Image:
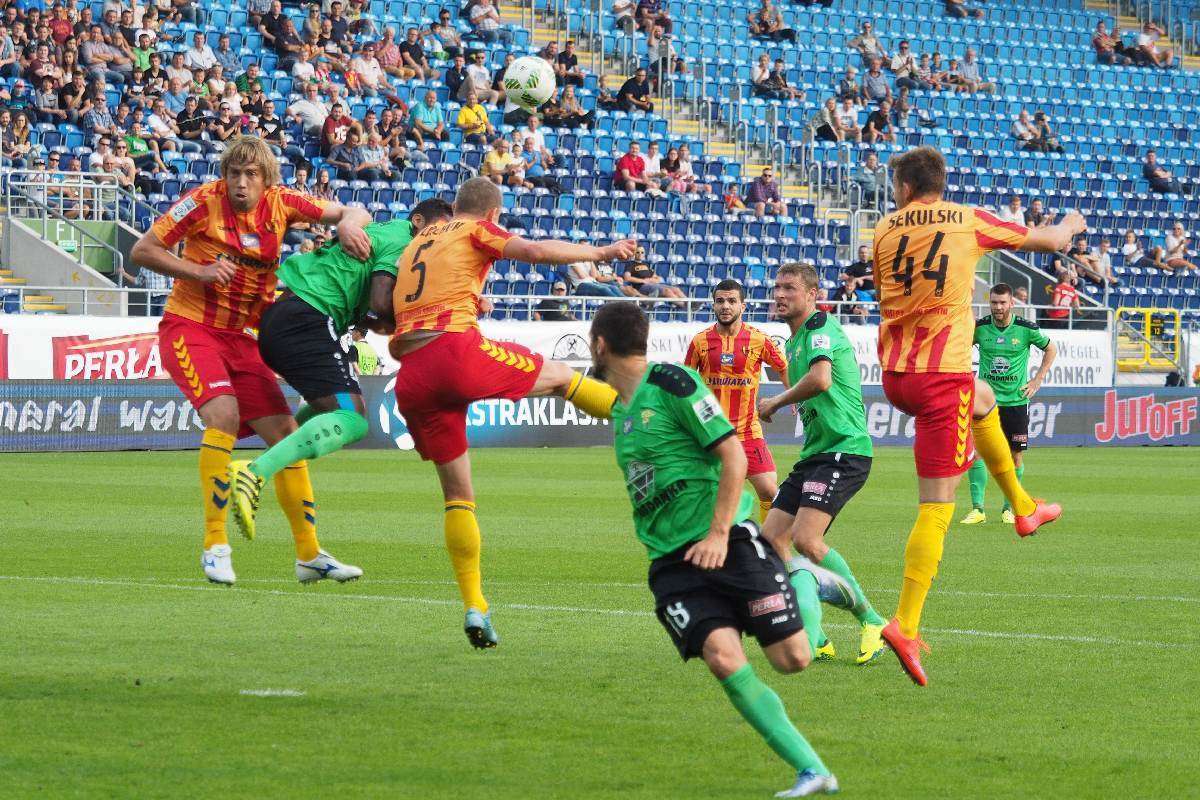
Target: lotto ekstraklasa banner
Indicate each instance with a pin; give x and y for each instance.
(126, 348)
(68, 415)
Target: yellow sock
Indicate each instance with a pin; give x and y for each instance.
(463, 544)
(215, 449)
(294, 492)
(591, 395)
(993, 448)
(921, 557)
(764, 508)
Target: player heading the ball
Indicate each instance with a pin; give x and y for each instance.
(446, 363)
(925, 257)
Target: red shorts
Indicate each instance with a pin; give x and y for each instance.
(942, 403)
(437, 383)
(207, 362)
(758, 457)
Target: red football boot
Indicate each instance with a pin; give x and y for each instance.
(1044, 513)
(907, 650)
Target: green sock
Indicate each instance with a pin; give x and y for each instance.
(862, 610)
(304, 413)
(1020, 475)
(319, 436)
(763, 709)
(978, 476)
(809, 606)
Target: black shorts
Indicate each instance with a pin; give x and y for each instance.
(1014, 421)
(750, 593)
(302, 344)
(825, 482)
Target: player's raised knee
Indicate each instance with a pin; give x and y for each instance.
(791, 655)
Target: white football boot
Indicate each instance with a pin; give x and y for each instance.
(326, 566)
(218, 564)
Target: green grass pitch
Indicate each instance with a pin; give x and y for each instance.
(1063, 666)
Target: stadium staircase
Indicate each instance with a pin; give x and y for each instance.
(13, 298)
(674, 110)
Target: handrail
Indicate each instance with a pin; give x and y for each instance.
(1029, 265)
(48, 211)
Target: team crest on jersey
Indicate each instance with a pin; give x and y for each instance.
(647, 415)
(820, 342)
(999, 340)
(639, 480)
(1000, 366)
(627, 426)
(706, 408)
(184, 207)
(726, 359)
(249, 240)
(1014, 341)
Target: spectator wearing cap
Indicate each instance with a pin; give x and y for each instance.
(868, 45)
(556, 308)
(412, 55)
(486, 24)
(1147, 47)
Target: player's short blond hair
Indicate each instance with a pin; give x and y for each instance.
(805, 272)
(245, 151)
(477, 197)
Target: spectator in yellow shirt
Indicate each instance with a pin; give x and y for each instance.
(474, 122)
(498, 164)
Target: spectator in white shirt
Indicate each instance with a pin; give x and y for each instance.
(847, 119)
(1148, 50)
(533, 130)
(309, 111)
(199, 55)
(179, 70)
(654, 171)
(479, 80)
(486, 22)
(1176, 250)
(371, 77)
(623, 12)
(1013, 212)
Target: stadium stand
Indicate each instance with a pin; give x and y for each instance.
(1106, 117)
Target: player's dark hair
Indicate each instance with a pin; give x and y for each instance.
(730, 285)
(805, 272)
(1002, 289)
(624, 327)
(922, 170)
(477, 197)
(434, 208)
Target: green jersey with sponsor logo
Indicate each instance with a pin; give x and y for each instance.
(1004, 356)
(337, 284)
(835, 421)
(663, 446)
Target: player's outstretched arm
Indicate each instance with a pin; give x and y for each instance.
(1054, 237)
(150, 252)
(710, 552)
(350, 222)
(818, 378)
(556, 251)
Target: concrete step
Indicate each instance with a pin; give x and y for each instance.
(13, 281)
(44, 308)
(38, 298)
(6, 273)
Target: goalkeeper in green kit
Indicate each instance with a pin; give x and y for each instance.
(712, 577)
(1004, 340)
(299, 337)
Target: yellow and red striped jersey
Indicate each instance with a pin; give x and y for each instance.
(732, 368)
(925, 257)
(206, 222)
(441, 275)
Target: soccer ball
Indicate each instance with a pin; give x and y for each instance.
(529, 82)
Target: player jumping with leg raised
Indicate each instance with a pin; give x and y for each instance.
(711, 576)
(446, 364)
(925, 257)
(834, 463)
(328, 290)
(231, 230)
(730, 356)
(1004, 340)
